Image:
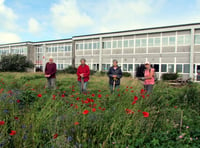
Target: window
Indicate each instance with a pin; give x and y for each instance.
(86, 46)
(114, 44)
(125, 43)
(179, 68)
(94, 45)
(150, 43)
(108, 45)
(108, 66)
(55, 49)
(156, 67)
(164, 68)
(197, 39)
(157, 41)
(180, 40)
(90, 45)
(170, 67)
(124, 67)
(172, 41)
(144, 43)
(186, 68)
(136, 66)
(81, 46)
(119, 44)
(137, 43)
(131, 43)
(104, 66)
(165, 41)
(187, 39)
(130, 67)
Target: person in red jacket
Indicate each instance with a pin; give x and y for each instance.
(83, 73)
(50, 73)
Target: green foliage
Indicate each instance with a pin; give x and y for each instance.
(41, 118)
(126, 74)
(15, 63)
(169, 76)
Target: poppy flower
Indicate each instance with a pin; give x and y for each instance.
(142, 91)
(63, 95)
(2, 122)
(132, 91)
(1, 90)
(99, 90)
(99, 95)
(73, 89)
(94, 109)
(119, 95)
(85, 112)
(16, 118)
(94, 105)
(175, 106)
(99, 107)
(76, 123)
(93, 95)
(143, 96)
(103, 109)
(126, 89)
(131, 87)
(18, 101)
(77, 98)
(55, 136)
(135, 98)
(126, 86)
(12, 133)
(133, 102)
(145, 114)
(39, 95)
(76, 106)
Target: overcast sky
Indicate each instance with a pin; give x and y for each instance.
(38, 20)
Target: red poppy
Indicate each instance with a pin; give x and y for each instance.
(1, 90)
(9, 92)
(85, 112)
(129, 111)
(175, 106)
(99, 95)
(118, 89)
(2, 122)
(132, 91)
(12, 133)
(99, 90)
(39, 95)
(103, 109)
(86, 101)
(71, 104)
(18, 101)
(76, 106)
(146, 114)
(76, 123)
(126, 86)
(73, 89)
(133, 102)
(94, 109)
(16, 118)
(99, 107)
(63, 95)
(94, 105)
(131, 87)
(54, 96)
(143, 96)
(135, 98)
(139, 110)
(142, 91)
(55, 136)
(91, 100)
(126, 89)
(93, 95)
(77, 98)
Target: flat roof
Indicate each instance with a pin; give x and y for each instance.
(115, 32)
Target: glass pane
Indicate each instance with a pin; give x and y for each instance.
(125, 43)
(157, 41)
(81, 46)
(119, 44)
(172, 41)
(136, 66)
(114, 44)
(197, 39)
(86, 46)
(94, 45)
(150, 42)
(90, 45)
(108, 45)
(124, 67)
(179, 68)
(144, 43)
(165, 41)
(108, 66)
(137, 43)
(187, 39)
(131, 43)
(104, 66)
(180, 40)
(186, 68)
(164, 68)
(130, 67)
(171, 68)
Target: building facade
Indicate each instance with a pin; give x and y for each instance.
(168, 49)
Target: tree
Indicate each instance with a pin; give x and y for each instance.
(15, 63)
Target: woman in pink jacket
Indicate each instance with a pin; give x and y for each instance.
(149, 77)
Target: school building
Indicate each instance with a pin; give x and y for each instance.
(168, 48)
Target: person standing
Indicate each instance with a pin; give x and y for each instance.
(114, 74)
(83, 73)
(50, 73)
(149, 79)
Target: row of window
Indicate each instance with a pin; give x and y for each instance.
(59, 48)
(81, 46)
(62, 66)
(21, 50)
(4, 51)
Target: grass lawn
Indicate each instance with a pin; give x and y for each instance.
(32, 116)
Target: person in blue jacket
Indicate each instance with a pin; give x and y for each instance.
(114, 74)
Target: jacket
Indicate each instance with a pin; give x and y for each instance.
(86, 72)
(50, 69)
(112, 72)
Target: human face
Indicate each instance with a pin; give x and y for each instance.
(147, 66)
(82, 62)
(50, 60)
(115, 64)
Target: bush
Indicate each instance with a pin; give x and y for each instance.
(15, 63)
(126, 74)
(169, 76)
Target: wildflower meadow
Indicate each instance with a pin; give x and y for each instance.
(31, 116)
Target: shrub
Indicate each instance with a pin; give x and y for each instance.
(126, 74)
(15, 63)
(169, 76)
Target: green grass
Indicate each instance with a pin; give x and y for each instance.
(46, 122)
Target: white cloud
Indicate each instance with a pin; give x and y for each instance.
(66, 16)
(128, 14)
(7, 16)
(34, 26)
(6, 37)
